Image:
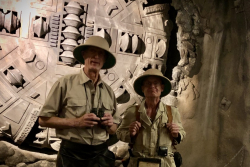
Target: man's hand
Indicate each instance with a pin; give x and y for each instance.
(87, 120)
(174, 129)
(134, 128)
(107, 120)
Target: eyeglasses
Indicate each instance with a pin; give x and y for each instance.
(148, 84)
(95, 51)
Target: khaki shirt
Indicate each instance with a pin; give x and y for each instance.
(75, 95)
(146, 142)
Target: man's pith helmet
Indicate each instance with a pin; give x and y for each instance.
(152, 72)
(99, 42)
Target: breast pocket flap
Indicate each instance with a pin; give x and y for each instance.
(76, 102)
(108, 106)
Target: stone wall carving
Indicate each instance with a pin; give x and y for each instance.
(40, 27)
(129, 43)
(138, 33)
(72, 30)
(54, 26)
(210, 79)
(191, 26)
(9, 22)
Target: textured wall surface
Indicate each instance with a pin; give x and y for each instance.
(217, 123)
(202, 46)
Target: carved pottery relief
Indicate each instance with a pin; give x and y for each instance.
(15, 78)
(89, 29)
(40, 27)
(9, 22)
(72, 30)
(130, 43)
(54, 27)
(103, 32)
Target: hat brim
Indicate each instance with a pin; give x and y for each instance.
(109, 62)
(139, 82)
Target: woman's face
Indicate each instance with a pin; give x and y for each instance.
(152, 87)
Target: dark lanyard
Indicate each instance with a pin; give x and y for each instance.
(99, 101)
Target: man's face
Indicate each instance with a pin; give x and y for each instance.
(152, 87)
(94, 58)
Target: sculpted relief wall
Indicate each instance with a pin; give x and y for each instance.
(217, 122)
(201, 46)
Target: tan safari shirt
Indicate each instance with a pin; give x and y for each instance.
(75, 95)
(146, 142)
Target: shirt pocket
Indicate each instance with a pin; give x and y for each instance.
(76, 107)
(108, 107)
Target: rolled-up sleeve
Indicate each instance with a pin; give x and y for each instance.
(53, 102)
(123, 130)
(177, 120)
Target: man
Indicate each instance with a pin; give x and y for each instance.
(82, 109)
(148, 127)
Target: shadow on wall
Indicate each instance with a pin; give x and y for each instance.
(173, 53)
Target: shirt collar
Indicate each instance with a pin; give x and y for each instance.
(160, 107)
(84, 78)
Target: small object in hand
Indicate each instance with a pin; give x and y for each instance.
(94, 110)
(100, 113)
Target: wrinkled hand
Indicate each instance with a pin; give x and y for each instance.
(107, 120)
(134, 128)
(174, 129)
(87, 120)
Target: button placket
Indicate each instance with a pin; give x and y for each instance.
(152, 131)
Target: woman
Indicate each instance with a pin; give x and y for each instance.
(151, 128)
